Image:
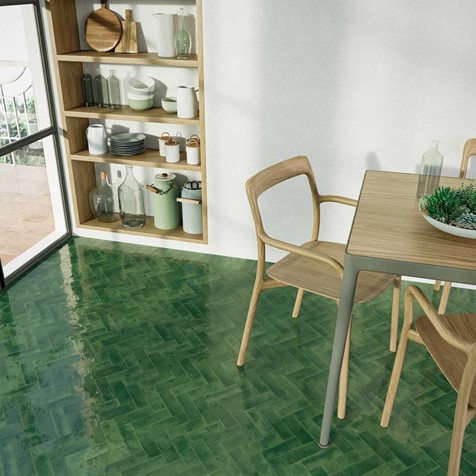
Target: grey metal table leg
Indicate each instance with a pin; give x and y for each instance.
(343, 318)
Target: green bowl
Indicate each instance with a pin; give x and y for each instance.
(141, 104)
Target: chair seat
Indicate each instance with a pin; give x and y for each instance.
(450, 360)
(321, 279)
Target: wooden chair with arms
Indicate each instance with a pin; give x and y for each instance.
(451, 341)
(315, 266)
(469, 151)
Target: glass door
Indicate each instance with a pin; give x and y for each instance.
(32, 203)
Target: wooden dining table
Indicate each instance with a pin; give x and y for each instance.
(390, 235)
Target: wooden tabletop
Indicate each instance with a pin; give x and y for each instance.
(388, 225)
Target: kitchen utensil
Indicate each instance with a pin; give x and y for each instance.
(172, 151)
(165, 136)
(97, 139)
(166, 207)
(187, 105)
(193, 151)
(103, 29)
(166, 34)
(192, 207)
(169, 104)
(128, 43)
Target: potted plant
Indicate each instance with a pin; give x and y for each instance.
(454, 207)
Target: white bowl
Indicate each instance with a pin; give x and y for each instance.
(141, 84)
(452, 230)
(140, 96)
(169, 104)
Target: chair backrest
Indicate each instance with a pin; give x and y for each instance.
(276, 174)
(469, 150)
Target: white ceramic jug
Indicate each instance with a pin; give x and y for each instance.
(166, 34)
(97, 139)
(187, 104)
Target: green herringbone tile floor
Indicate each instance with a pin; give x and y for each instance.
(119, 359)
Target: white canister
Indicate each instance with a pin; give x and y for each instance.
(97, 139)
(187, 104)
(193, 152)
(192, 207)
(165, 136)
(166, 34)
(172, 151)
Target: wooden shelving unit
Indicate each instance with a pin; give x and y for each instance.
(69, 60)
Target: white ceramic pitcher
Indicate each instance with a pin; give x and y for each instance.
(187, 104)
(97, 139)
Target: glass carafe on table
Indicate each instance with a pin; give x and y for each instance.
(430, 172)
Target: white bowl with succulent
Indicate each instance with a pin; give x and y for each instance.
(452, 210)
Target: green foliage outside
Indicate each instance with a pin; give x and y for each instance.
(15, 126)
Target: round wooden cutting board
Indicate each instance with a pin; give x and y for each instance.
(103, 29)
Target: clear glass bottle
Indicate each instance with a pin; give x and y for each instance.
(430, 172)
(131, 201)
(88, 94)
(114, 90)
(183, 40)
(101, 200)
(100, 90)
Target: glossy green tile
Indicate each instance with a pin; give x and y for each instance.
(120, 359)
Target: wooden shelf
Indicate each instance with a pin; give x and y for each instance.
(125, 113)
(69, 57)
(127, 58)
(148, 229)
(149, 158)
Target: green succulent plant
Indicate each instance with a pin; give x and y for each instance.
(455, 207)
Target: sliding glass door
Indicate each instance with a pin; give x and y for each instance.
(32, 204)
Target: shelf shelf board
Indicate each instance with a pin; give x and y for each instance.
(149, 158)
(147, 230)
(127, 58)
(125, 113)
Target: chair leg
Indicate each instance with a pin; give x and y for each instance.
(456, 448)
(344, 376)
(397, 369)
(397, 282)
(298, 302)
(461, 420)
(437, 286)
(249, 322)
(444, 297)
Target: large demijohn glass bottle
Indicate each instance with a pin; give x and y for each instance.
(101, 200)
(431, 164)
(131, 201)
(183, 40)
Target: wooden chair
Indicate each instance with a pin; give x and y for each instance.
(315, 266)
(451, 341)
(469, 151)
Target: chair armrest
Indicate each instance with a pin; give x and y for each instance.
(290, 248)
(338, 199)
(416, 293)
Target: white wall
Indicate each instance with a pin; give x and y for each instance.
(351, 84)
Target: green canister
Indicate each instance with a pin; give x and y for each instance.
(166, 209)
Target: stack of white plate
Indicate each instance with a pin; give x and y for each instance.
(127, 143)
